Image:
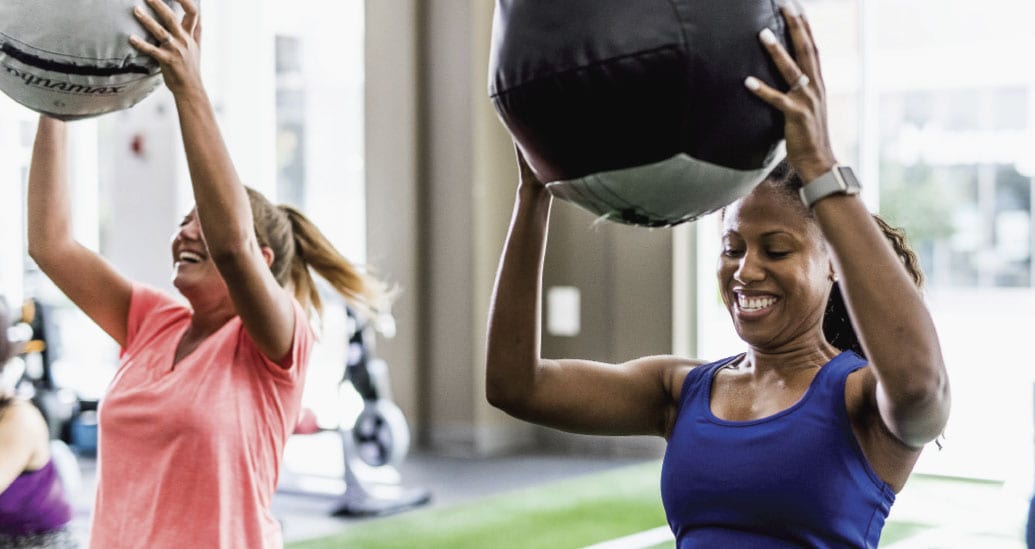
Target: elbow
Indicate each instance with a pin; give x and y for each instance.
(921, 410)
(508, 394)
(500, 397)
(35, 251)
(43, 252)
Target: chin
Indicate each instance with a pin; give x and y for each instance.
(755, 338)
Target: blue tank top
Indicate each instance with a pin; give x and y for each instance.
(796, 479)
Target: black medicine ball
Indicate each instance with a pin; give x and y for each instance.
(636, 109)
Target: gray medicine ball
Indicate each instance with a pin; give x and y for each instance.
(71, 59)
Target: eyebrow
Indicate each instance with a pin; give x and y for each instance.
(766, 234)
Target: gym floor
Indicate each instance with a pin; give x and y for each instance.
(451, 481)
(932, 512)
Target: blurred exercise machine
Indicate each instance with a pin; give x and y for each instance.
(36, 337)
(373, 445)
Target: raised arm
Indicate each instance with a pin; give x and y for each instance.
(890, 318)
(82, 274)
(636, 397)
(265, 308)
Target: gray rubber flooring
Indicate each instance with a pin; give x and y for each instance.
(450, 480)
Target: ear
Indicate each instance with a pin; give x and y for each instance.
(268, 255)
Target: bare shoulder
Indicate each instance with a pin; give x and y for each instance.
(21, 416)
(678, 369)
(671, 371)
(22, 428)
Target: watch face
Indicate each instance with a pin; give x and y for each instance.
(851, 184)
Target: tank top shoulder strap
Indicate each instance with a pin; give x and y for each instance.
(834, 373)
(831, 379)
(699, 379)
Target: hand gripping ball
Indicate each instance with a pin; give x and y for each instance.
(636, 109)
(71, 58)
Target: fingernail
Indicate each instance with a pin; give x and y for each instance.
(793, 8)
(752, 83)
(137, 10)
(767, 36)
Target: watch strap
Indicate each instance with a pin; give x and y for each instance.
(839, 180)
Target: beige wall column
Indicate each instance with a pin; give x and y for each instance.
(440, 190)
(623, 275)
(393, 191)
(470, 180)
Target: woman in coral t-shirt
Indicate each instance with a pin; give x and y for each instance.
(193, 427)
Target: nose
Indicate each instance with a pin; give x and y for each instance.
(190, 229)
(749, 269)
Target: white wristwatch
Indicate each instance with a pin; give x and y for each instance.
(839, 180)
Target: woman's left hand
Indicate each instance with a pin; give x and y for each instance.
(804, 104)
(179, 42)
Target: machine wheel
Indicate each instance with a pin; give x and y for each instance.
(380, 434)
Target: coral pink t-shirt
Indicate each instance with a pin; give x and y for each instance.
(189, 454)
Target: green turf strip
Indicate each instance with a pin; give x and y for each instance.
(898, 531)
(604, 506)
(570, 513)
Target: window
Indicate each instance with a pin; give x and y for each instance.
(928, 101)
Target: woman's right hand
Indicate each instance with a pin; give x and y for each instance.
(526, 175)
(803, 105)
(179, 43)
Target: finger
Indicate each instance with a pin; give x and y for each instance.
(815, 48)
(146, 47)
(191, 16)
(197, 33)
(805, 51)
(770, 95)
(784, 63)
(166, 16)
(151, 26)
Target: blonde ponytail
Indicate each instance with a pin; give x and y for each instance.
(312, 250)
(298, 245)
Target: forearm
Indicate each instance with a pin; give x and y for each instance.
(49, 208)
(514, 313)
(888, 313)
(221, 200)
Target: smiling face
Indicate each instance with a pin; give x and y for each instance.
(194, 273)
(774, 271)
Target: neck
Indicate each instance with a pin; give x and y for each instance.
(209, 316)
(811, 352)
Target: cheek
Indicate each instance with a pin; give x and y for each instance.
(723, 274)
(818, 281)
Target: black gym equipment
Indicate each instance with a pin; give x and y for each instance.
(35, 337)
(59, 405)
(374, 444)
(637, 111)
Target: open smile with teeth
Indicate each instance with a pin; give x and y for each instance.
(754, 303)
(190, 257)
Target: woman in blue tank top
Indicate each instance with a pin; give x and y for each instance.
(799, 441)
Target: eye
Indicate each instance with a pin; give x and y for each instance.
(732, 252)
(777, 254)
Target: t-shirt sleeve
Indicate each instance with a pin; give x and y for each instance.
(291, 366)
(144, 301)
